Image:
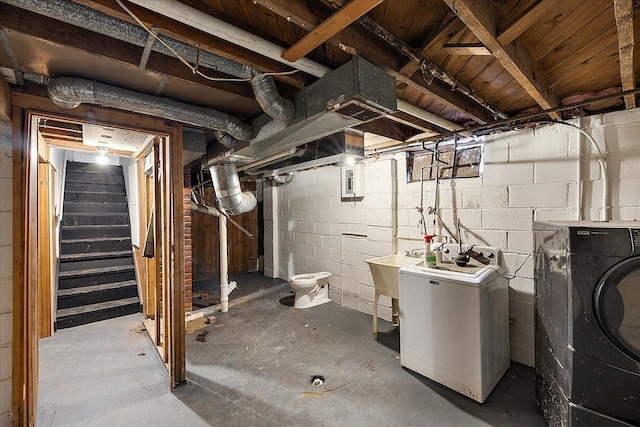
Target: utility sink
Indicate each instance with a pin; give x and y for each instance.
(385, 280)
(385, 273)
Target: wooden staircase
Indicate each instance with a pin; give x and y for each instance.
(96, 278)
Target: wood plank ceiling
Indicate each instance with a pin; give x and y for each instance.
(469, 62)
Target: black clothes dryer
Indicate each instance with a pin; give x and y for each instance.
(587, 322)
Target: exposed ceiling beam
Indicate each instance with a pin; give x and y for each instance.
(624, 21)
(352, 39)
(329, 28)
(300, 13)
(450, 29)
(39, 26)
(524, 21)
(386, 126)
(471, 49)
(5, 101)
(441, 92)
(193, 36)
(481, 17)
(79, 146)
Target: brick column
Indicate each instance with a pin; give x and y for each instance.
(188, 266)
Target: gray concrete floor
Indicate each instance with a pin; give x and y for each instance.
(255, 369)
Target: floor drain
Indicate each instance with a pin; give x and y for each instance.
(317, 380)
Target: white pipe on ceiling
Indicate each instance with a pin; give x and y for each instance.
(427, 116)
(218, 28)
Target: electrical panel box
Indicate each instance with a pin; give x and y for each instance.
(353, 181)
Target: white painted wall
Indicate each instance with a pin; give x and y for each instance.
(6, 272)
(528, 175)
(130, 171)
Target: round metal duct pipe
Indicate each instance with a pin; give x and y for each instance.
(232, 199)
(69, 92)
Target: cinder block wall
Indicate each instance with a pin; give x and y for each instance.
(6, 269)
(528, 175)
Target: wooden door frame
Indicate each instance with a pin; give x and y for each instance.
(25, 340)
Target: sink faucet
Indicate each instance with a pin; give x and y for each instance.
(413, 253)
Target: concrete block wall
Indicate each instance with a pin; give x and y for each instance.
(527, 175)
(6, 268)
(314, 229)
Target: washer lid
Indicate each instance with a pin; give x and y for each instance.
(472, 274)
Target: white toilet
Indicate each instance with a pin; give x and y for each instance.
(311, 289)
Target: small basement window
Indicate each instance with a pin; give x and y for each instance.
(463, 162)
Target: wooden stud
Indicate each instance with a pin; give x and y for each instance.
(481, 17)
(524, 21)
(5, 101)
(46, 274)
(157, 252)
(19, 374)
(323, 32)
(177, 368)
(624, 22)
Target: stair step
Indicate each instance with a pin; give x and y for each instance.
(88, 295)
(93, 239)
(95, 307)
(95, 244)
(95, 288)
(75, 316)
(113, 275)
(95, 255)
(103, 218)
(94, 178)
(74, 186)
(94, 207)
(93, 168)
(94, 271)
(88, 264)
(98, 230)
(95, 196)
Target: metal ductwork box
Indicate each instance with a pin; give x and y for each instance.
(355, 93)
(330, 149)
(358, 89)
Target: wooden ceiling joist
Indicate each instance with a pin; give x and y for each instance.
(471, 49)
(524, 21)
(481, 17)
(301, 14)
(327, 29)
(39, 26)
(450, 29)
(626, 43)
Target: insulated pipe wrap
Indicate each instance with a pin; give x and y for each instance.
(69, 92)
(84, 17)
(228, 192)
(277, 107)
(225, 139)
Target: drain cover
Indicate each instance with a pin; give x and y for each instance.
(317, 380)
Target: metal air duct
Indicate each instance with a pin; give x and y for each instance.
(69, 92)
(277, 107)
(353, 94)
(228, 192)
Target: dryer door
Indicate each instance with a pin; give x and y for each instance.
(617, 306)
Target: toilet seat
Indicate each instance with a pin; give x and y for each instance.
(308, 280)
(311, 289)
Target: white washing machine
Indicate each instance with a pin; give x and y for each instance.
(454, 321)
